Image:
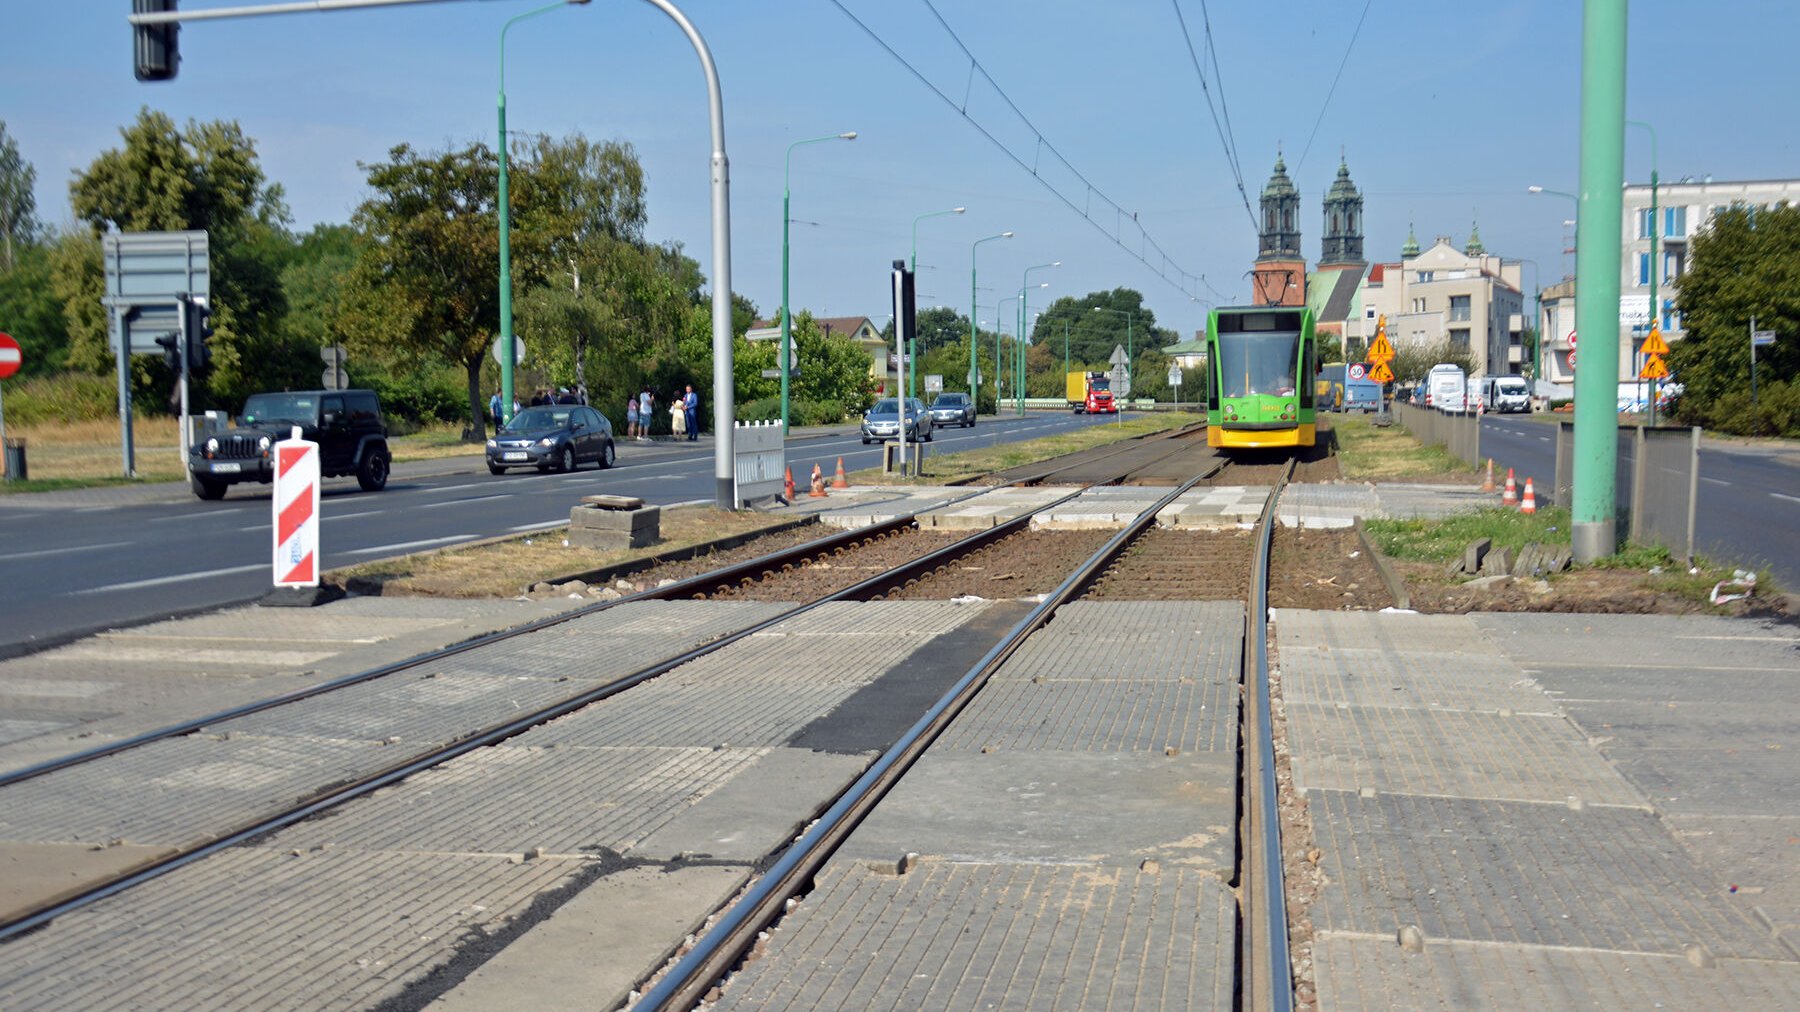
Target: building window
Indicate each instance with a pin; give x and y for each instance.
(1643, 269)
(1673, 262)
(1336, 223)
(1460, 338)
(1424, 277)
(1645, 220)
(1675, 222)
(1418, 305)
(1369, 313)
(1459, 307)
(1287, 221)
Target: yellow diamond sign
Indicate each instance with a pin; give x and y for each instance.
(1654, 344)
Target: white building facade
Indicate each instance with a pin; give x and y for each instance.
(1469, 298)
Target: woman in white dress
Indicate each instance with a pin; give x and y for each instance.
(678, 419)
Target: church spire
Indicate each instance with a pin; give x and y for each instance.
(1475, 248)
(1280, 233)
(1411, 249)
(1343, 238)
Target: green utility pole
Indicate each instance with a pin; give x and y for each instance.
(787, 365)
(912, 376)
(505, 210)
(999, 329)
(974, 366)
(1597, 229)
(1655, 254)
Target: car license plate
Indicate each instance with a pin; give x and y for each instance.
(226, 468)
(515, 456)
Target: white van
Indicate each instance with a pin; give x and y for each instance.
(1447, 389)
(1506, 394)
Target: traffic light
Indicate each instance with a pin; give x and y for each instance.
(199, 328)
(171, 346)
(155, 54)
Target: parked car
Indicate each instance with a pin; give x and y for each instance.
(882, 422)
(953, 409)
(560, 436)
(346, 424)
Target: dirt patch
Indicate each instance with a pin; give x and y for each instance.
(757, 547)
(1587, 591)
(846, 566)
(1180, 565)
(504, 568)
(1029, 562)
(1324, 570)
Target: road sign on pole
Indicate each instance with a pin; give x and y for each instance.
(1654, 368)
(1762, 338)
(1654, 344)
(1381, 373)
(518, 350)
(10, 360)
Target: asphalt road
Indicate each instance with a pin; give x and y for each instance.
(76, 563)
(1748, 501)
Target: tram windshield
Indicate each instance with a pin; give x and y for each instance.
(1252, 364)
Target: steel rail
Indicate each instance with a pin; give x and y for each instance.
(715, 952)
(681, 588)
(368, 783)
(1266, 961)
(1039, 477)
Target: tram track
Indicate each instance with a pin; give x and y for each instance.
(725, 582)
(931, 576)
(1263, 967)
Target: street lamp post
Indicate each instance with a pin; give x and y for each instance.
(1024, 320)
(912, 376)
(1130, 318)
(786, 217)
(1577, 202)
(505, 214)
(1655, 252)
(1000, 329)
(974, 367)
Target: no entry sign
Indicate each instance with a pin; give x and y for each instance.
(10, 356)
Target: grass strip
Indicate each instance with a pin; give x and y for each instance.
(1368, 452)
(968, 464)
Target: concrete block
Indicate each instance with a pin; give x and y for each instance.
(1475, 554)
(595, 526)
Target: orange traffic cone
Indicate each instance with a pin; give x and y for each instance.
(818, 484)
(1529, 503)
(840, 481)
(1511, 496)
(1487, 484)
(787, 484)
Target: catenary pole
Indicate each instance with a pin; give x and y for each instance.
(974, 365)
(1597, 230)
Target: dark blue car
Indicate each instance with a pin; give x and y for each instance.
(559, 436)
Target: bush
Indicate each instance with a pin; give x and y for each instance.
(63, 397)
(801, 411)
(1776, 411)
(422, 397)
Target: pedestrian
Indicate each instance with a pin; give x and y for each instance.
(494, 407)
(690, 407)
(631, 417)
(677, 418)
(565, 396)
(646, 412)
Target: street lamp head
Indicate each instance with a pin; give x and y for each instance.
(1056, 263)
(1534, 188)
(1006, 235)
(848, 135)
(958, 210)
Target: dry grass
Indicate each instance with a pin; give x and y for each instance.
(974, 463)
(1367, 452)
(506, 568)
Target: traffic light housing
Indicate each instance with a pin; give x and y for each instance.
(155, 54)
(171, 346)
(199, 329)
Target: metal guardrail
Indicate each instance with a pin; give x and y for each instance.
(1458, 434)
(1657, 482)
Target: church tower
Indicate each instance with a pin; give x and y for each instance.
(1279, 277)
(1343, 244)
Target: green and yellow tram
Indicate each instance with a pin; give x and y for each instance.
(1261, 393)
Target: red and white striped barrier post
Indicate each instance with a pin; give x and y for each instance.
(296, 508)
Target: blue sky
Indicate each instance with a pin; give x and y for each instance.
(1445, 112)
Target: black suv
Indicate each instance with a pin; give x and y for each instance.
(345, 423)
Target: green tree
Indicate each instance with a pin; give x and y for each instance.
(18, 204)
(1413, 361)
(204, 176)
(1746, 263)
(424, 283)
(30, 310)
(1094, 335)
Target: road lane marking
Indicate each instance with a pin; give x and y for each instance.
(402, 546)
(1789, 498)
(177, 578)
(63, 551)
(347, 516)
(1715, 481)
(459, 502)
(540, 526)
